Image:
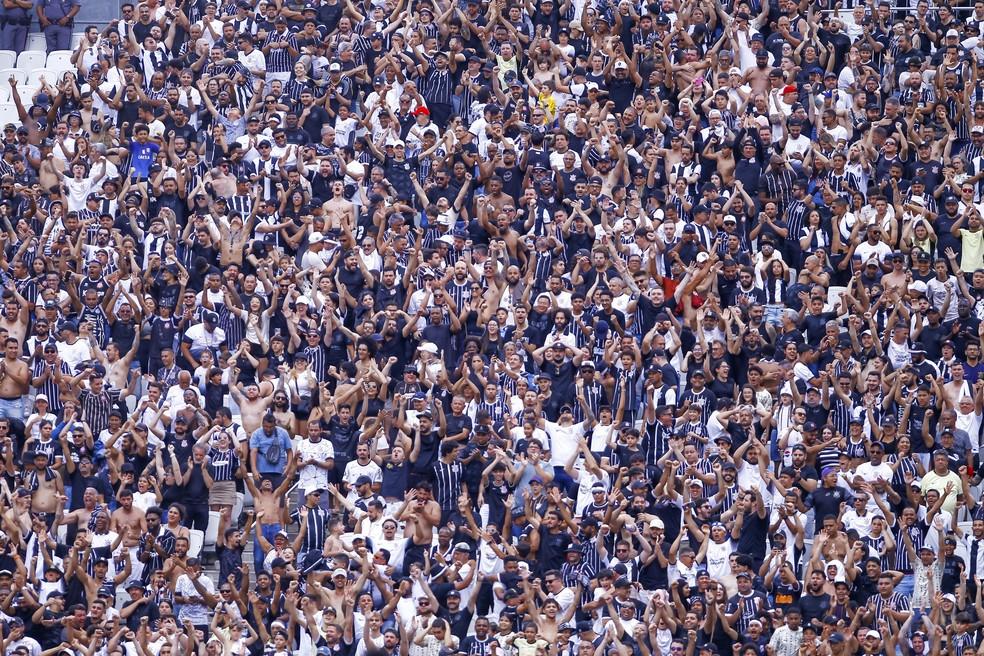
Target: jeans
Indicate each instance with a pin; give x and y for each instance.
(906, 586)
(563, 479)
(12, 408)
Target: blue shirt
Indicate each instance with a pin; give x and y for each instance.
(142, 156)
(56, 9)
(260, 441)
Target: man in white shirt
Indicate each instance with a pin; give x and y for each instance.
(315, 458)
(873, 246)
(313, 258)
(250, 57)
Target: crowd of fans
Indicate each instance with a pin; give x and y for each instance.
(497, 329)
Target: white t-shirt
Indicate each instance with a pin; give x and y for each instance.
(564, 441)
(309, 475)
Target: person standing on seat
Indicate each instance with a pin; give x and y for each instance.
(16, 24)
(56, 17)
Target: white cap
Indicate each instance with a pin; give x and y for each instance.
(303, 299)
(730, 218)
(953, 33)
(591, 85)
(734, 70)
(621, 65)
(918, 286)
(339, 572)
(41, 397)
(656, 523)
(447, 239)
(429, 347)
(702, 257)
(316, 238)
(335, 68)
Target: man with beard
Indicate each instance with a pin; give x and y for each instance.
(156, 544)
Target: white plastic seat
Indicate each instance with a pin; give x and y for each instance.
(31, 59)
(833, 296)
(212, 531)
(8, 58)
(59, 60)
(18, 73)
(196, 539)
(34, 77)
(36, 41)
(8, 113)
(237, 509)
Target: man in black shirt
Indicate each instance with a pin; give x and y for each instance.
(142, 605)
(827, 499)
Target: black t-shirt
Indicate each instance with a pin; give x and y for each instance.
(814, 607)
(826, 501)
(148, 610)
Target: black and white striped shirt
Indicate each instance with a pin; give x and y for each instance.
(447, 484)
(439, 88)
(317, 529)
(796, 212)
(222, 465)
(279, 60)
(49, 387)
(317, 360)
(97, 407)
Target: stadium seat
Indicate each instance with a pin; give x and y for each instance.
(212, 531)
(59, 60)
(196, 539)
(8, 58)
(36, 41)
(18, 73)
(8, 113)
(833, 297)
(31, 59)
(34, 77)
(237, 510)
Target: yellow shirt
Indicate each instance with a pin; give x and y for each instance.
(933, 481)
(972, 248)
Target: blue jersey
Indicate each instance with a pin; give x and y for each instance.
(142, 156)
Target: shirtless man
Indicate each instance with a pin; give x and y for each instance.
(117, 366)
(100, 569)
(421, 514)
(267, 505)
(252, 406)
(339, 213)
(46, 487)
(495, 196)
(17, 519)
(15, 376)
(958, 387)
(80, 516)
(177, 564)
(127, 517)
(16, 315)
